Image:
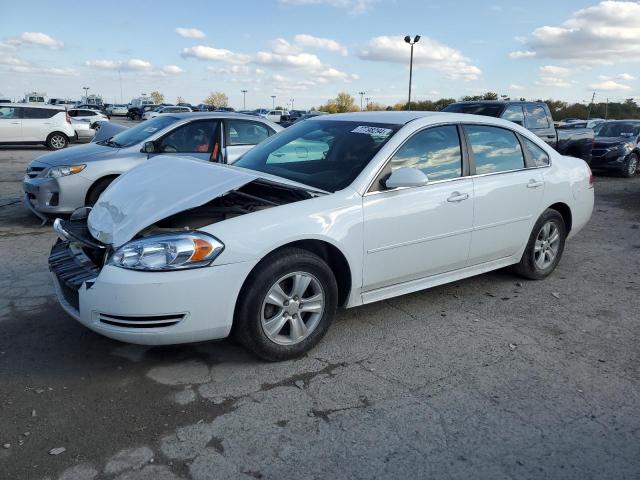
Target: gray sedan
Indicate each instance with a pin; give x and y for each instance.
(60, 182)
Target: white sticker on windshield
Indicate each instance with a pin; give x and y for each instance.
(150, 129)
(374, 131)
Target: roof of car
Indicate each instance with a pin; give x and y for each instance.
(34, 105)
(631, 120)
(389, 117)
(213, 115)
(499, 102)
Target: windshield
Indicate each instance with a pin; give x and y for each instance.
(618, 129)
(327, 155)
(140, 132)
(486, 109)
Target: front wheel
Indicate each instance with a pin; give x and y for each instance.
(57, 141)
(545, 246)
(630, 166)
(286, 305)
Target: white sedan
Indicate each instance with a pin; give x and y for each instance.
(337, 211)
(167, 109)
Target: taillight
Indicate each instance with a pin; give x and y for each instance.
(66, 114)
(590, 176)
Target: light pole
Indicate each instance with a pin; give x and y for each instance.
(367, 99)
(273, 102)
(291, 99)
(86, 94)
(362, 94)
(415, 40)
(244, 99)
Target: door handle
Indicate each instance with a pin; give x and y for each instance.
(534, 183)
(457, 197)
(15, 123)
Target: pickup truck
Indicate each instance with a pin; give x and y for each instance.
(534, 116)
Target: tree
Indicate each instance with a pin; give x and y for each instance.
(180, 100)
(374, 107)
(490, 96)
(341, 104)
(157, 97)
(217, 99)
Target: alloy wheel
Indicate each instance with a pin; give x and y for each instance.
(632, 166)
(292, 308)
(547, 245)
(58, 142)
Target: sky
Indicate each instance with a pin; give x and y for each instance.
(309, 50)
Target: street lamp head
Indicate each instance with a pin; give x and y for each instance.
(416, 39)
(407, 39)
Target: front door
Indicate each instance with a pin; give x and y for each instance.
(198, 139)
(241, 136)
(10, 124)
(412, 233)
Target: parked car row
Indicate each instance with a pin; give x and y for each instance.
(193, 243)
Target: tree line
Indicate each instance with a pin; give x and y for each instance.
(344, 102)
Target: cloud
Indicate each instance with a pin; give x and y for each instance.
(300, 60)
(355, 7)
(626, 76)
(427, 52)
(55, 71)
(609, 85)
(608, 32)
(190, 32)
(553, 82)
(12, 60)
(522, 54)
(171, 70)
(203, 52)
(133, 64)
(283, 47)
(37, 38)
(321, 43)
(514, 86)
(552, 70)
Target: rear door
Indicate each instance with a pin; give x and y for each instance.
(507, 193)
(201, 139)
(10, 124)
(37, 123)
(242, 135)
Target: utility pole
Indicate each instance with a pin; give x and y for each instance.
(408, 40)
(120, 77)
(362, 94)
(367, 99)
(244, 99)
(593, 97)
(606, 110)
(86, 94)
(273, 102)
(291, 103)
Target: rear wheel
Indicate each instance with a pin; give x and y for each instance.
(286, 306)
(545, 246)
(57, 141)
(96, 190)
(630, 166)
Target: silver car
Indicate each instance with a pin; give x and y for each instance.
(61, 182)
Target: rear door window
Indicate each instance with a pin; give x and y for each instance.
(536, 116)
(9, 113)
(39, 112)
(242, 132)
(494, 149)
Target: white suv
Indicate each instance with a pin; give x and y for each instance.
(26, 124)
(167, 109)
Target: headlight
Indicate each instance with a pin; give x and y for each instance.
(172, 251)
(64, 171)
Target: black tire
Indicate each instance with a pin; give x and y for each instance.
(57, 141)
(247, 325)
(528, 267)
(630, 166)
(96, 190)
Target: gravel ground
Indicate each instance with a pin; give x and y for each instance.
(491, 377)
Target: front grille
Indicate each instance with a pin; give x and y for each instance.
(146, 321)
(72, 268)
(32, 172)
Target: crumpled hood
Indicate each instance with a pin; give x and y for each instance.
(79, 154)
(156, 190)
(107, 130)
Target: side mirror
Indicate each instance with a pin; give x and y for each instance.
(149, 147)
(406, 177)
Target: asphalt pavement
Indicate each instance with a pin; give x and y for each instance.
(491, 377)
